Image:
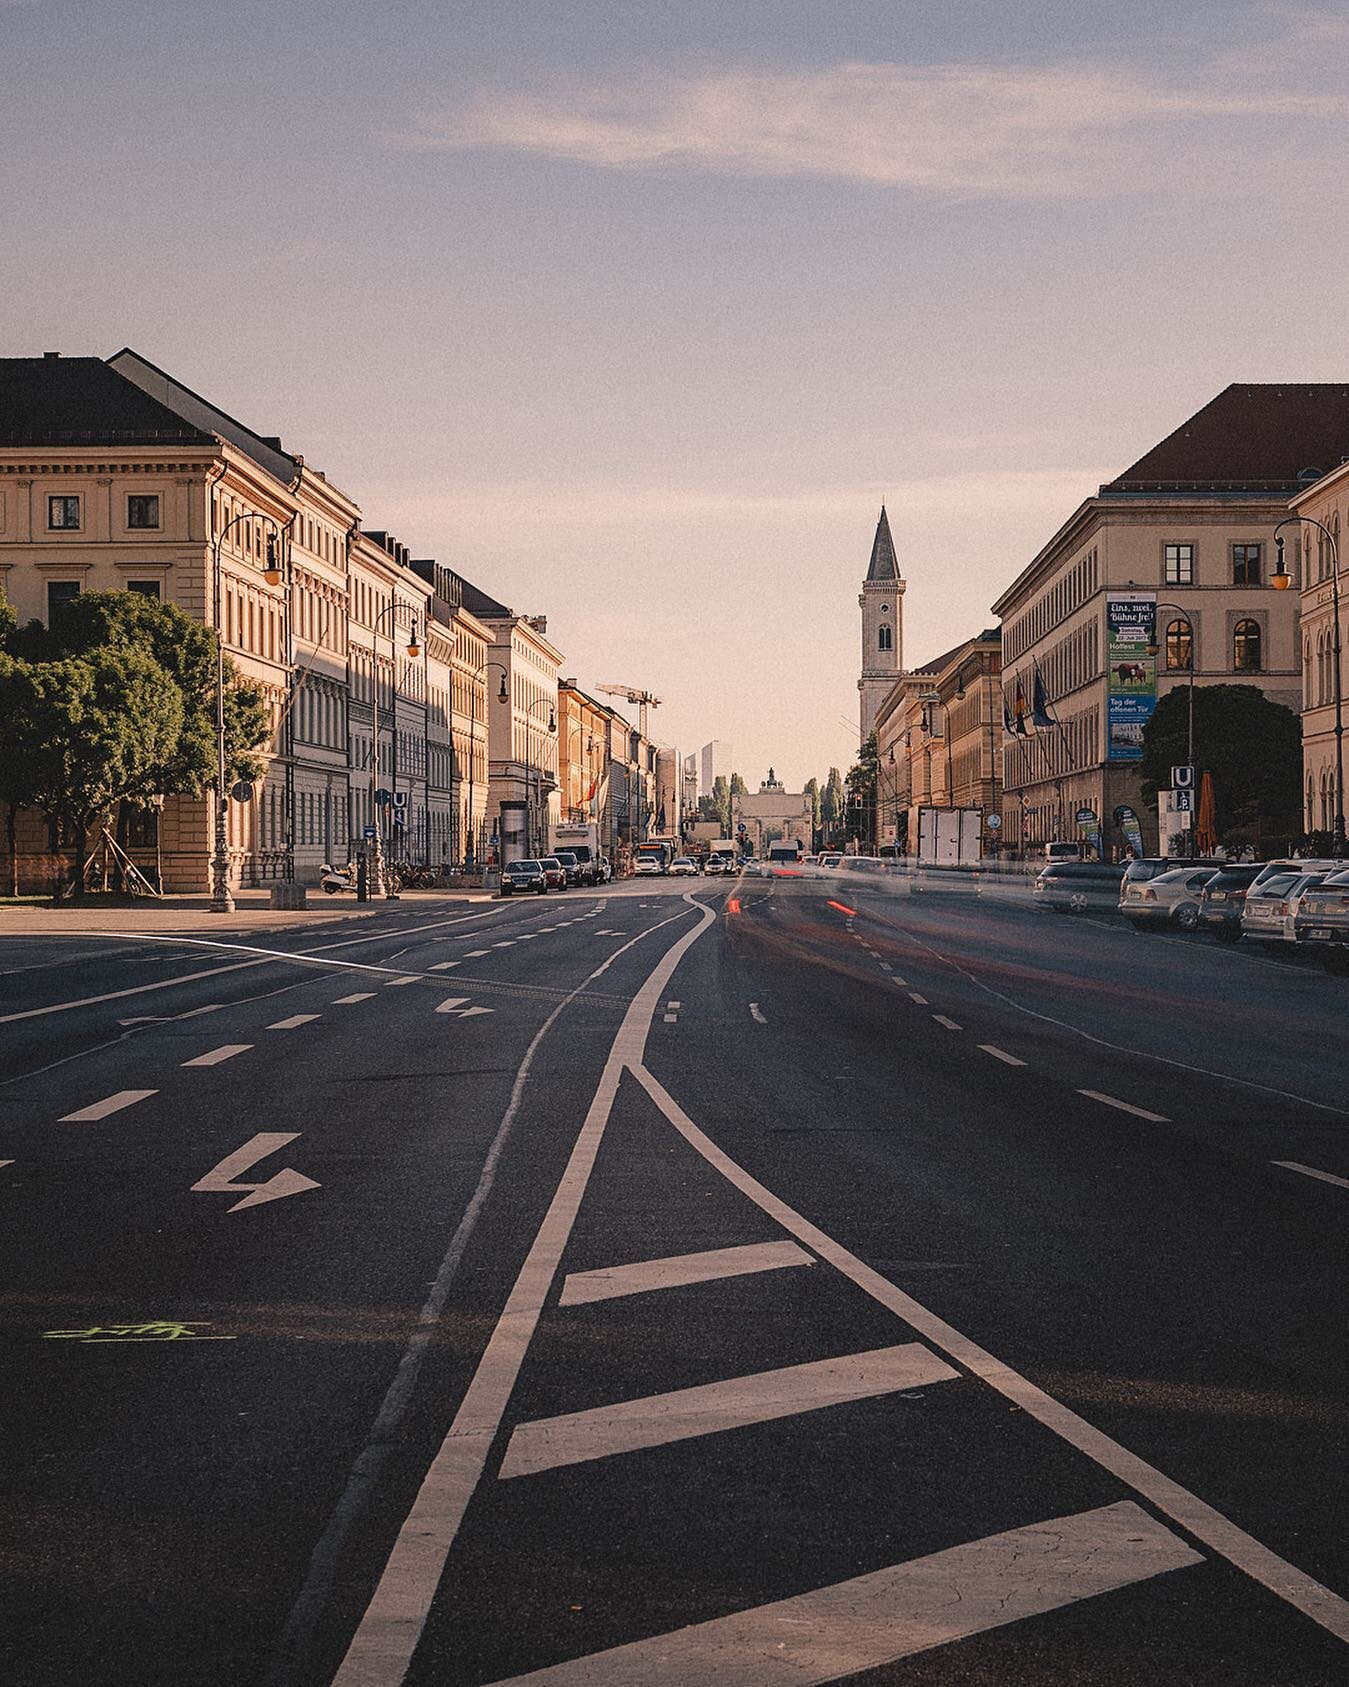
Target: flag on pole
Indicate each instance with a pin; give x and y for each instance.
(1040, 715)
(1020, 709)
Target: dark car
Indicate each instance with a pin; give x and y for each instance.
(523, 875)
(1224, 898)
(1075, 887)
(571, 866)
(554, 872)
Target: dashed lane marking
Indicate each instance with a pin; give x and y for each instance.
(226, 1051)
(607, 1283)
(109, 1104)
(411, 978)
(1311, 1171)
(756, 1014)
(445, 966)
(712, 1407)
(674, 1006)
(347, 1001)
(477, 954)
(886, 967)
(672, 1019)
(915, 997)
(296, 1019)
(950, 1024)
(1001, 1054)
(1125, 1106)
(507, 943)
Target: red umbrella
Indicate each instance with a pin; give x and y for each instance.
(1205, 837)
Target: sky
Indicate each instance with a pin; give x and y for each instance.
(633, 311)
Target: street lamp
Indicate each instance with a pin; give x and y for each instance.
(470, 853)
(398, 614)
(578, 809)
(530, 765)
(1153, 648)
(221, 900)
(1281, 579)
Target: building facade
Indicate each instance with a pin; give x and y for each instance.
(1314, 553)
(882, 605)
(772, 814)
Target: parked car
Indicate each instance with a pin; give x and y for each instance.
(1223, 899)
(523, 875)
(1164, 899)
(554, 872)
(571, 866)
(1265, 910)
(1322, 920)
(682, 867)
(1077, 887)
(1291, 864)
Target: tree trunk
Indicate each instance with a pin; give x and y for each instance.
(81, 844)
(11, 838)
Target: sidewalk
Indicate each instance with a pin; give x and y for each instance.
(252, 912)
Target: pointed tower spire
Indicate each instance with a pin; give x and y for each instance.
(883, 565)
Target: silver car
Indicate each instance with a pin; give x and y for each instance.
(1322, 920)
(1264, 915)
(1167, 899)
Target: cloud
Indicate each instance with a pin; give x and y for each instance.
(952, 130)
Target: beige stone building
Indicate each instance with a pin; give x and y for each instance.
(772, 814)
(1312, 554)
(583, 744)
(1181, 542)
(882, 605)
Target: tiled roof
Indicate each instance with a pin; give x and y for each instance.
(1262, 439)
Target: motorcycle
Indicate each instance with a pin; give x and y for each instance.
(335, 879)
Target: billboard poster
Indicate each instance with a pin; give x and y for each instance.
(1128, 822)
(1131, 671)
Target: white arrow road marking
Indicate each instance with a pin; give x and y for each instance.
(874, 1620)
(6, 1162)
(471, 1013)
(582, 1287)
(110, 1104)
(451, 1003)
(654, 1422)
(220, 1180)
(226, 1051)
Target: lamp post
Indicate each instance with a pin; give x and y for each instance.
(396, 613)
(470, 853)
(531, 767)
(1153, 649)
(221, 900)
(1281, 579)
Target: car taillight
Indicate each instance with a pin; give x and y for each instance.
(1238, 896)
(1148, 894)
(1283, 908)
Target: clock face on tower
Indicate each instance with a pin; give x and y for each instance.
(885, 609)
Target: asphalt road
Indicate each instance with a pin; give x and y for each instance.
(751, 1282)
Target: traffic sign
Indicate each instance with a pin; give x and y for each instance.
(369, 832)
(993, 822)
(399, 819)
(242, 790)
(1182, 778)
(400, 799)
(383, 798)
(1182, 801)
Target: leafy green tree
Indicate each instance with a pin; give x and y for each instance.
(812, 790)
(861, 789)
(1250, 745)
(832, 800)
(721, 803)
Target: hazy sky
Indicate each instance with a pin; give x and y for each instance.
(633, 310)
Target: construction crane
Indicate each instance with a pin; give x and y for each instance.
(645, 699)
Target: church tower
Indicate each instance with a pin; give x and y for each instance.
(882, 608)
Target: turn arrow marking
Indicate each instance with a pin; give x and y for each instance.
(220, 1180)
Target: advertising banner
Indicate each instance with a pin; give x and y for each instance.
(1131, 671)
(1128, 822)
(1089, 821)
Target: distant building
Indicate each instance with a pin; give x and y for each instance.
(715, 761)
(1177, 547)
(773, 814)
(882, 606)
(1312, 565)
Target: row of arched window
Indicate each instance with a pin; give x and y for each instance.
(1247, 647)
(1321, 801)
(1318, 669)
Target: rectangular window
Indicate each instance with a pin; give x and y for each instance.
(59, 594)
(63, 513)
(147, 588)
(1180, 565)
(142, 510)
(1246, 565)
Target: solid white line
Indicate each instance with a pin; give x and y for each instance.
(294, 1020)
(1125, 1106)
(411, 978)
(915, 997)
(226, 1051)
(1310, 1171)
(583, 1287)
(713, 1407)
(134, 990)
(451, 1003)
(1179, 1504)
(950, 1024)
(382, 1647)
(110, 1104)
(756, 1013)
(1001, 1054)
(360, 996)
(894, 1613)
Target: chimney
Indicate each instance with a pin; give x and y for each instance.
(50, 356)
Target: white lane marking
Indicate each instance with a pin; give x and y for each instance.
(411, 978)
(547, 928)
(915, 997)
(360, 996)
(445, 966)
(672, 1019)
(226, 1051)
(713, 1407)
(886, 967)
(222, 1179)
(1310, 1171)
(674, 1006)
(1179, 1504)
(476, 954)
(134, 990)
(896, 979)
(472, 1013)
(1125, 1106)
(1001, 1054)
(4, 1163)
(582, 1287)
(387, 1635)
(527, 937)
(756, 1014)
(451, 1003)
(950, 1024)
(876, 1619)
(507, 943)
(109, 1104)
(295, 1020)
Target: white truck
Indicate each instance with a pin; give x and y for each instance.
(949, 837)
(582, 838)
(726, 849)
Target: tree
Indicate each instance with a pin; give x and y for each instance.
(1250, 745)
(721, 802)
(738, 786)
(831, 800)
(861, 788)
(812, 790)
